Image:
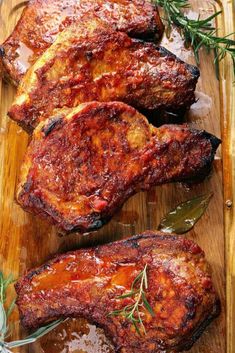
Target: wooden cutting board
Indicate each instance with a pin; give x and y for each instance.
(27, 241)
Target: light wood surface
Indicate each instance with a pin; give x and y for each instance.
(26, 241)
(228, 134)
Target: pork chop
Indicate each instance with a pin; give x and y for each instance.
(89, 282)
(100, 64)
(84, 163)
(42, 20)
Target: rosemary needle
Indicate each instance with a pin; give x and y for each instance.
(198, 32)
(133, 312)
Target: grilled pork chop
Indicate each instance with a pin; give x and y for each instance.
(42, 20)
(89, 283)
(98, 63)
(84, 163)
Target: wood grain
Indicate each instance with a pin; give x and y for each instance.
(27, 241)
(227, 88)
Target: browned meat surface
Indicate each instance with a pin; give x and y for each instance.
(88, 283)
(100, 64)
(84, 163)
(42, 20)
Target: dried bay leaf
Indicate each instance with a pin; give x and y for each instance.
(183, 218)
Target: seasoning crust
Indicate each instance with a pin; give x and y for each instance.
(92, 62)
(88, 283)
(84, 163)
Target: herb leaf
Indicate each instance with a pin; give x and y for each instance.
(185, 215)
(3, 322)
(4, 284)
(146, 304)
(35, 336)
(10, 308)
(132, 312)
(198, 33)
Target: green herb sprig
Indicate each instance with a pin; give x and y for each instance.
(5, 347)
(132, 312)
(198, 33)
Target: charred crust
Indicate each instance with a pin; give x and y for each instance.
(51, 125)
(27, 186)
(2, 51)
(89, 55)
(194, 71)
(24, 124)
(191, 302)
(165, 52)
(134, 244)
(215, 141)
(96, 225)
(215, 312)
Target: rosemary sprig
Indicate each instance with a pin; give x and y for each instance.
(198, 33)
(5, 347)
(132, 312)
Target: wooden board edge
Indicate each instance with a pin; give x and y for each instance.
(227, 86)
(228, 135)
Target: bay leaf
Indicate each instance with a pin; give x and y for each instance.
(183, 218)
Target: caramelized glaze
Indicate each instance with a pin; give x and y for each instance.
(42, 20)
(179, 291)
(84, 163)
(100, 64)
